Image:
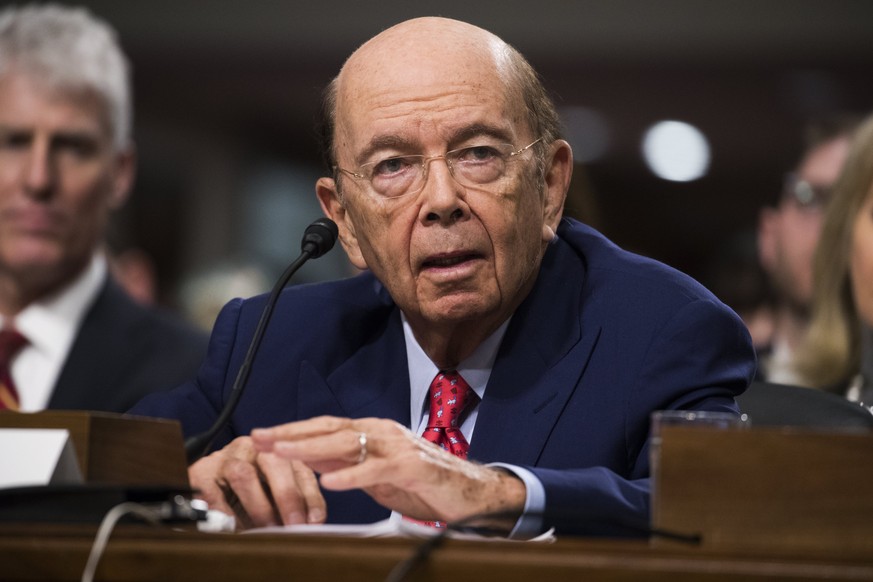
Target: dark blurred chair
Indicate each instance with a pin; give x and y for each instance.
(770, 404)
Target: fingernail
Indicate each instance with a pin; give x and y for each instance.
(296, 518)
(316, 515)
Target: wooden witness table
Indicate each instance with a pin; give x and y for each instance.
(57, 553)
(769, 505)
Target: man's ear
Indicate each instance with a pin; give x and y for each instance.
(122, 179)
(333, 208)
(558, 171)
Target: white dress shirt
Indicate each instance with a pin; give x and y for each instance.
(779, 366)
(50, 326)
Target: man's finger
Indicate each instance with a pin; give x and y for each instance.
(338, 449)
(289, 501)
(264, 438)
(201, 477)
(307, 482)
(254, 505)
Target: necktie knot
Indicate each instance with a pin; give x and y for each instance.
(450, 396)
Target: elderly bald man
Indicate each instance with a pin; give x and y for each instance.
(527, 350)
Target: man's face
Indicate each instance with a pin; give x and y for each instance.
(789, 235)
(448, 253)
(59, 179)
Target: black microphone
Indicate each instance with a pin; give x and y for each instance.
(319, 237)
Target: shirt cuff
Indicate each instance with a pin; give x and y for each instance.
(530, 524)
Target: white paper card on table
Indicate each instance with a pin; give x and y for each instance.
(37, 456)
(394, 526)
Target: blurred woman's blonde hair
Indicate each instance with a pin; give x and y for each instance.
(830, 356)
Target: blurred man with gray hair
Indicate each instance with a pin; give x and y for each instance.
(69, 336)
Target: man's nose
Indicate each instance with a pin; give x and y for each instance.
(40, 171)
(444, 198)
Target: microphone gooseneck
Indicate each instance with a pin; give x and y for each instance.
(318, 238)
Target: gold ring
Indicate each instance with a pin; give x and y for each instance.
(362, 440)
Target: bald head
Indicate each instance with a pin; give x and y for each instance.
(426, 50)
(423, 41)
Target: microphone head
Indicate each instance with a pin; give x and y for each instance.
(319, 237)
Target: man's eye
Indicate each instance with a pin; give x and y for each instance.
(391, 166)
(77, 146)
(12, 141)
(479, 154)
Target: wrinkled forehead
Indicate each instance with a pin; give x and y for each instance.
(420, 60)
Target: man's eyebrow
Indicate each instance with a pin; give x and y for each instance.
(383, 142)
(480, 130)
(67, 133)
(401, 144)
(76, 135)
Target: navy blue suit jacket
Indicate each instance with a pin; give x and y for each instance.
(604, 338)
(123, 351)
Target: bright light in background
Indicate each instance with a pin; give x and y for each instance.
(587, 131)
(676, 151)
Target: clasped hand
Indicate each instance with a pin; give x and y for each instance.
(269, 478)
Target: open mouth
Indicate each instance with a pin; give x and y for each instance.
(448, 261)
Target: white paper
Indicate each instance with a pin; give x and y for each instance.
(37, 456)
(387, 528)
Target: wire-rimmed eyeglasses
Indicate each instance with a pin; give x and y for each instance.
(804, 194)
(472, 166)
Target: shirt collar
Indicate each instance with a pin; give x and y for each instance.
(51, 323)
(476, 369)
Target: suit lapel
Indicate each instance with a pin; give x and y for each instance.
(539, 365)
(78, 384)
(374, 381)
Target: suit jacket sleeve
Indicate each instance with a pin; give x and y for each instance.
(699, 360)
(197, 403)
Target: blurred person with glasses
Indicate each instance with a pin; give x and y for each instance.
(788, 232)
(538, 343)
(837, 352)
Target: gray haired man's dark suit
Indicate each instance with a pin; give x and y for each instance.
(123, 351)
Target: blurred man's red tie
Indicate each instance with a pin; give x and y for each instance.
(10, 342)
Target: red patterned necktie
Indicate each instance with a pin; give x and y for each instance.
(10, 342)
(449, 396)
